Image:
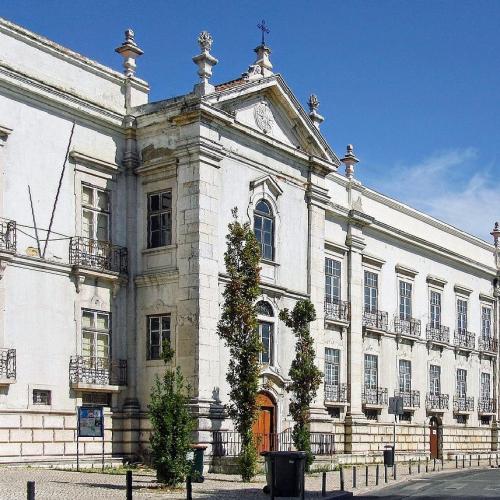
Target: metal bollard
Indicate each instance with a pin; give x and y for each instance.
(478, 460)
(189, 489)
(456, 461)
(470, 460)
(426, 464)
(434, 466)
(366, 475)
(129, 485)
(323, 485)
(354, 477)
(376, 475)
(409, 467)
(463, 461)
(418, 466)
(394, 471)
(489, 461)
(342, 486)
(30, 490)
(385, 473)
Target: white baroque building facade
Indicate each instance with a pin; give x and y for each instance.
(138, 213)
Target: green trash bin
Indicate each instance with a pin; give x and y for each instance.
(197, 468)
(285, 473)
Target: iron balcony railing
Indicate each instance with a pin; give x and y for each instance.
(411, 399)
(96, 254)
(8, 364)
(336, 393)
(410, 327)
(437, 401)
(488, 344)
(463, 403)
(464, 339)
(98, 371)
(486, 405)
(336, 309)
(377, 396)
(228, 443)
(376, 319)
(438, 333)
(8, 235)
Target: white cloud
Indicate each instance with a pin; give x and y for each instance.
(451, 186)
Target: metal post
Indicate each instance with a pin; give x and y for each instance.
(409, 467)
(478, 459)
(426, 464)
(497, 459)
(442, 464)
(470, 460)
(366, 475)
(385, 473)
(323, 485)
(434, 466)
(129, 485)
(463, 461)
(354, 477)
(189, 488)
(103, 450)
(394, 471)
(341, 470)
(418, 466)
(376, 475)
(489, 461)
(456, 461)
(30, 490)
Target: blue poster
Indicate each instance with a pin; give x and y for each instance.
(90, 421)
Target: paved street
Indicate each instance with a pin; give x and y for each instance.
(475, 484)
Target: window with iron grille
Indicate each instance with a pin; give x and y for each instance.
(461, 419)
(461, 383)
(334, 412)
(42, 397)
(263, 225)
(434, 380)
(461, 316)
(371, 371)
(485, 420)
(371, 292)
(96, 338)
(435, 307)
(405, 417)
(485, 386)
(405, 300)
(96, 213)
(160, 219)
(486, 322)
(158, 332)
(404, 375)
(96, 398)
(332, 366)
(332, 280)
(371, 414)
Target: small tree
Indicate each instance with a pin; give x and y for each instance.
(238, 328)
(172, 423)
(305, 375)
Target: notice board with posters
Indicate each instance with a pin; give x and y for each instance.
(90, 421)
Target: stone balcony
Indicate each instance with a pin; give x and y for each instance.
(438, 334)
(463, 404)
(464, 340)
(8, 236)
(437, 403)
(375, 320)
(486, 406)
(97, 255)
(407, 327)
(336, 310)
(7, 367)
(87, 374)
(411, 399)
(336, 394)
(374, 398)
(488, 345)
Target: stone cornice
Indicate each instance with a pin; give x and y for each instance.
(484, 297)
(15, 82)
(154, 279)
(4, 134)
(405, 270)
(94, 163)
(359, 219)
(436, 281)
(462, 289)
(373, 261)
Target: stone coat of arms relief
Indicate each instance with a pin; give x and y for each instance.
(263, 117)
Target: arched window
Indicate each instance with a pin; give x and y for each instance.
(264, 229)
(266, 332)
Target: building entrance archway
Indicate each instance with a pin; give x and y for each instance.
(264, 427)
(435, 437)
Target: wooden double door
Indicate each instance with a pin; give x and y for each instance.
(264, 428)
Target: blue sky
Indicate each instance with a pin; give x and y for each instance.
(414, 85)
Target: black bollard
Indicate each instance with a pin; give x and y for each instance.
(323, 485)
(354, 477)
(463, 461)
(409, 467)
(434, 466)
(456, 461)
(30, 490)
(341, 479)
(377, 474)
(489, 461)
(129, 485)
(189, 489)
(470, 460)
(478, 460)
(385, 473)
(366, 475)
(394, 471)
(497, 459)
(426, 464)
(418, 466)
